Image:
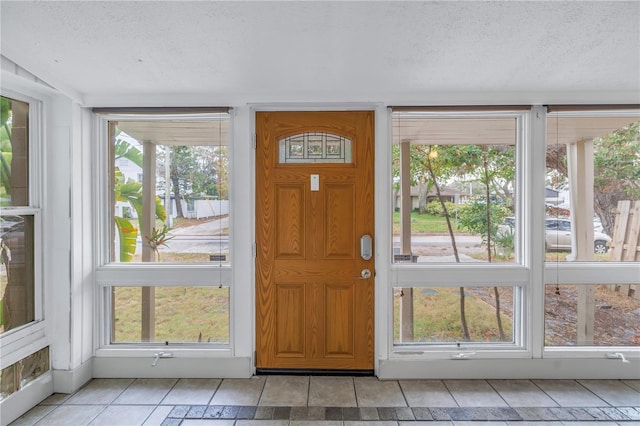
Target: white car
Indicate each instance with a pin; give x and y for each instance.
(558, 236)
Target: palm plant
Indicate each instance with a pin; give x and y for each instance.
(130, 191)
(158, 238)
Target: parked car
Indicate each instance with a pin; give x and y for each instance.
(558, 236)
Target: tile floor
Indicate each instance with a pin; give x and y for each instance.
(341, 401)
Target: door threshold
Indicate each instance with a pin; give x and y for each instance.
(312, 372)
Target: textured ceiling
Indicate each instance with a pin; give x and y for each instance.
(307, 51)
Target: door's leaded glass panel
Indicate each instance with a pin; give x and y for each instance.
(315, 148)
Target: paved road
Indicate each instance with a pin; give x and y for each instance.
(209, 237)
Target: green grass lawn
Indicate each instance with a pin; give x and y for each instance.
(182, 314)
(436, 313)
(424, 223)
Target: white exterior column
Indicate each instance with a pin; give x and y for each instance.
(580, 162)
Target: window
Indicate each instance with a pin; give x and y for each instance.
(181, 315)
(25, 355)
(171, 177)
(454, 188)
(592, 210)
(166, 273)
(314, 148)
(19, 213)
(458, 280)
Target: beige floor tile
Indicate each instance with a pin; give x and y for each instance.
(207, 422)
(32, 416)
(544, 423)
(192, 392)
(56, 399)
(372, 392)
(474, 393)
(123, 415)
(635, 384)
(158, 415)
(262, 423)
(77, 415)
(614, 392)
(100, 391)
(239, 391)
(285, 391)
(569, 393)
(426, 423)
(332, 392)
(427, 393)
(522, 393)
(146, 391)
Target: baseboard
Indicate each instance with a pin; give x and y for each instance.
(186, 368)
(580, 368)
(69, 381)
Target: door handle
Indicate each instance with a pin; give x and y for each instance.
(365, 274)
(366, 249)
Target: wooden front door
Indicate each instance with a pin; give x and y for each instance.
(314, 203)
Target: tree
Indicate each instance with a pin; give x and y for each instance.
(493, 166)
(182, 166)
(418, 174)
(432, 154)
(195, 171)
(616, 160)
(209, 177)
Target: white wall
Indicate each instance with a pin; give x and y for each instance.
(63, 176)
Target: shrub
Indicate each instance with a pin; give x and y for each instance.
(434, 208)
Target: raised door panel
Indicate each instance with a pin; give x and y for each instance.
(339, 320)
(290, 320)
(290, 214)
(340, 238)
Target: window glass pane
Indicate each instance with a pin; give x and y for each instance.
(34, 366)
(314, 148)
(178, 314)
(607, 315)
(16, 271)
(593, 184)
(454, 188)
(171, 191)
(435, 316)
(14, 153)
(21, 373)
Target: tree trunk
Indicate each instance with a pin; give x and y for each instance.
(602, 206)
(176, 191)
(463, 315)
(422, 195)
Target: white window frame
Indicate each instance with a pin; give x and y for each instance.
(515, 275)
(590, 273)
(112, 274)
(26, 339)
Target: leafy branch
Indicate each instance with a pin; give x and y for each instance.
(158, 238)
